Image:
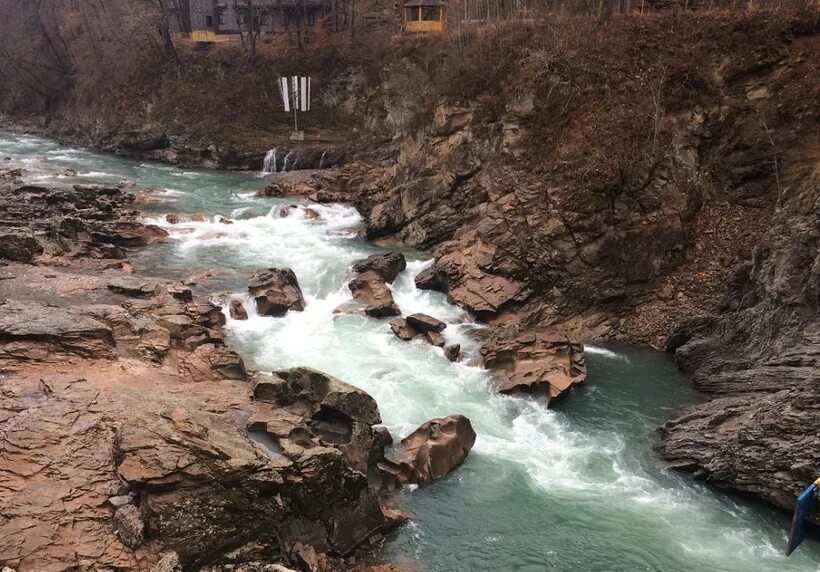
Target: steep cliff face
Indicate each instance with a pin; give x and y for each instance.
(603, 183)
(760, 358)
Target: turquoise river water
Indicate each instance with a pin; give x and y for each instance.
(573, 488)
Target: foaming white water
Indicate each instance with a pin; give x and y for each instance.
(96, 174)
(604, 352)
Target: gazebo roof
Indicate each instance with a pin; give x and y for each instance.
(423, 3)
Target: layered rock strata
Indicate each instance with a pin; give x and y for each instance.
(759, 361)
(538, 362)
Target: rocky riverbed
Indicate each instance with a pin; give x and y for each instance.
(124, 414)
(291, 285)
(148, 442)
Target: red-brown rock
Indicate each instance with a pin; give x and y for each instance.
(453, 352)
(425, 323)
(386, 266)
(432, 450)
(276, 291)
(540, 362)
(302, 408)
(371, 289)
(402, 329)
(435, 339)
(237, 310)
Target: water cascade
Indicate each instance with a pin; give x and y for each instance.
(285, 161)
(322, 160)
(269, 164)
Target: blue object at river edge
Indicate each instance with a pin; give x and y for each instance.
(802, 509)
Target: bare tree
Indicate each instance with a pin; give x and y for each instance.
(248, 20)
(160, 11)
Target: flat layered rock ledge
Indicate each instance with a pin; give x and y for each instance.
(539, 362)
(124, 415)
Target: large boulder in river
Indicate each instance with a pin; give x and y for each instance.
(276, 291)
(387, 266)
(425, 323)
(372, 291)
(432, 450)
(370, 283)
(539, 362)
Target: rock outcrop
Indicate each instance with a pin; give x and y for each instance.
(369, 285)
(91, 221)
(276, 292)
(538, 362)
(302, 408)
(119, 412)
(431, 451)
(19, 246)
(759, 360)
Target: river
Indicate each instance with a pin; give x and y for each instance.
(572, 488)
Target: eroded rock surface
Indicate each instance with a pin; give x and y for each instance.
(369, 285)
(539, 362)
(93, 221)
(123, 412)
(276, 292)
(313, 419)
(303, 408)
(431, 451)
(760, 361)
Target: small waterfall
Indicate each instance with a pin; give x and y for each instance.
(285, 161)
(322, 160)
(269, 165)
(293, 166)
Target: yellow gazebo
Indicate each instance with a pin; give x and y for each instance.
(424, 16)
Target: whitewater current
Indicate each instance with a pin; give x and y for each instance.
(572, 488)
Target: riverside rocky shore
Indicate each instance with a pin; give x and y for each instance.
(709, 251)
(134, 438)
(124, 415)
(754, 349)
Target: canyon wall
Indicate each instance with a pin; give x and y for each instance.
(617, 180)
